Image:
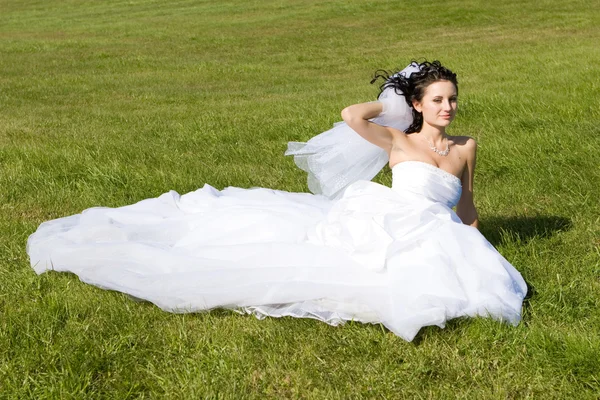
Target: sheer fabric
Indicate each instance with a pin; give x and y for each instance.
(338, 157)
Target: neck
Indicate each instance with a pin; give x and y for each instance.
(433, 133)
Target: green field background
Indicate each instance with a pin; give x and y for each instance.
(105, 103)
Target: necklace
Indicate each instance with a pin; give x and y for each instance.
(441, 153)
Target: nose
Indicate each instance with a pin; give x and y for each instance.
(447, 105)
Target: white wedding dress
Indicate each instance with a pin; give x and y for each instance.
(399, 256)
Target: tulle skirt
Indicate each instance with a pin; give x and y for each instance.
(375, 255)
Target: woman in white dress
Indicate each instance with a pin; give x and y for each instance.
(353, 250)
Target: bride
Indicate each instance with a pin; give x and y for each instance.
(351, 250)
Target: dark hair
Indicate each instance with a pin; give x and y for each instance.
(413, 87)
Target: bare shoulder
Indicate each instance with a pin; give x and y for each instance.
(467, 146)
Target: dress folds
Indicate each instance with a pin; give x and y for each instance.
(399, 256)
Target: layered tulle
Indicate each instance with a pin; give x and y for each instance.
(399, 255)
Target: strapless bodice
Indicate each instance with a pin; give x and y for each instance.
(428, 181)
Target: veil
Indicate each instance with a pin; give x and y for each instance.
(338, 157)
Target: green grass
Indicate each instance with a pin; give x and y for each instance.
(107, 103)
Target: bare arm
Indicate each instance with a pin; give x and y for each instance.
(465, 209)
(357, 117)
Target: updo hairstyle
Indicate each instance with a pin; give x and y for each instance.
(413, 87)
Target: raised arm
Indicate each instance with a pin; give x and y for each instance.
(465, 209)
(357, 117)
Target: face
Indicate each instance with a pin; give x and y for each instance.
(438, 104)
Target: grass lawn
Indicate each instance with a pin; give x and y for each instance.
(110, 102)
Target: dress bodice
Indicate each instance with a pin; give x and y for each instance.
(426, 180)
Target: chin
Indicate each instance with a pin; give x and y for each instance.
(443, 124)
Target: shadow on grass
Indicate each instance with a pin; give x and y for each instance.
(523, 229)
(432, 330)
